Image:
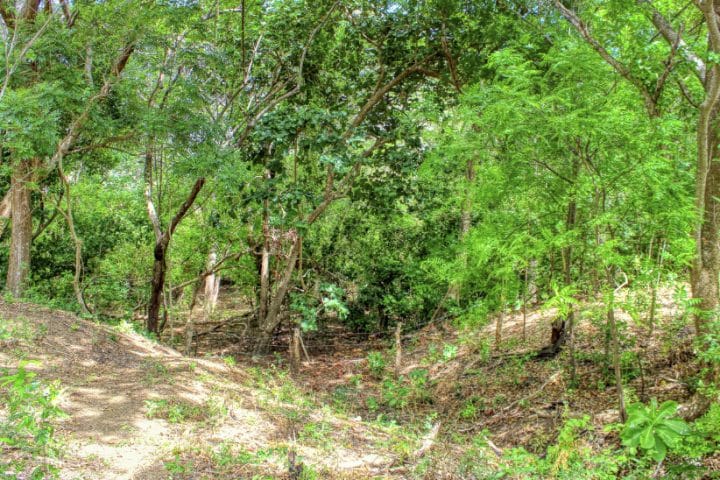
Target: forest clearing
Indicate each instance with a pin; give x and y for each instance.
(349, 239)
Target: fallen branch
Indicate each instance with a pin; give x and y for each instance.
(428, 441)
(496, 450)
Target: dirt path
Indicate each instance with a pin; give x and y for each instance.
(138, 410)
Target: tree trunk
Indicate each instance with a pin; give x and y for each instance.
(162, 242)
(270, 322)
(295, 350)
(704, 278)
(558, 333)
(264, 269)
(21, 237)
(612, 327)
(68, 214)
(157, 286)
(212, 283)
(571, 344)
(190, 324)
(465, 224)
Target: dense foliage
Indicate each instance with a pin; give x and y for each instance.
(364, 163)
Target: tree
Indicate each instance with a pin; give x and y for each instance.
(684, 62)
(48, 35)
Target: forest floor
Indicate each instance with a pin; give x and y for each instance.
(139, 410)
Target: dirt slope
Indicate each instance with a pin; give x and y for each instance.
(138, 410)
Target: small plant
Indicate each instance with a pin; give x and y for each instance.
(215, 409)
(449, 352)
(229, 360)
(317, 433)
(376, 363)
(173, 412)
(178, 466)
(310, 309)
(471, 408)
(28, 425)
(654, 429)
(156, 372)
(395, 394)
(419, 382)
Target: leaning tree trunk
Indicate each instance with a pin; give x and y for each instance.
(162, 242)
(21, 237)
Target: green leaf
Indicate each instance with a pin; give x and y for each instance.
(647, 439)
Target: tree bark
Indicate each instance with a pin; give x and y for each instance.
(704, 277)
(212, 283)
(21, 238)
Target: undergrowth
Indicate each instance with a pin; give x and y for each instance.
(27, 432)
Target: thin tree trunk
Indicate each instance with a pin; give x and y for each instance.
(156, 286)
(653, 306)
(272, 319)
(558, 333)
(571, 345)
(21, 234)
(500, 320)
(212, 283)
(68, 214)
(465, 224)
(615, 342)
(190, 325)
(524, 304)
(398, 349)
(295, 350)
(264, 268)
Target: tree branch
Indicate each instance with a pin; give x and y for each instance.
(621, 69)
(150, 204)
(675, 38)
(186, 205)
(74, 130)
(686, 93)
(299, 80)
(669, 65)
